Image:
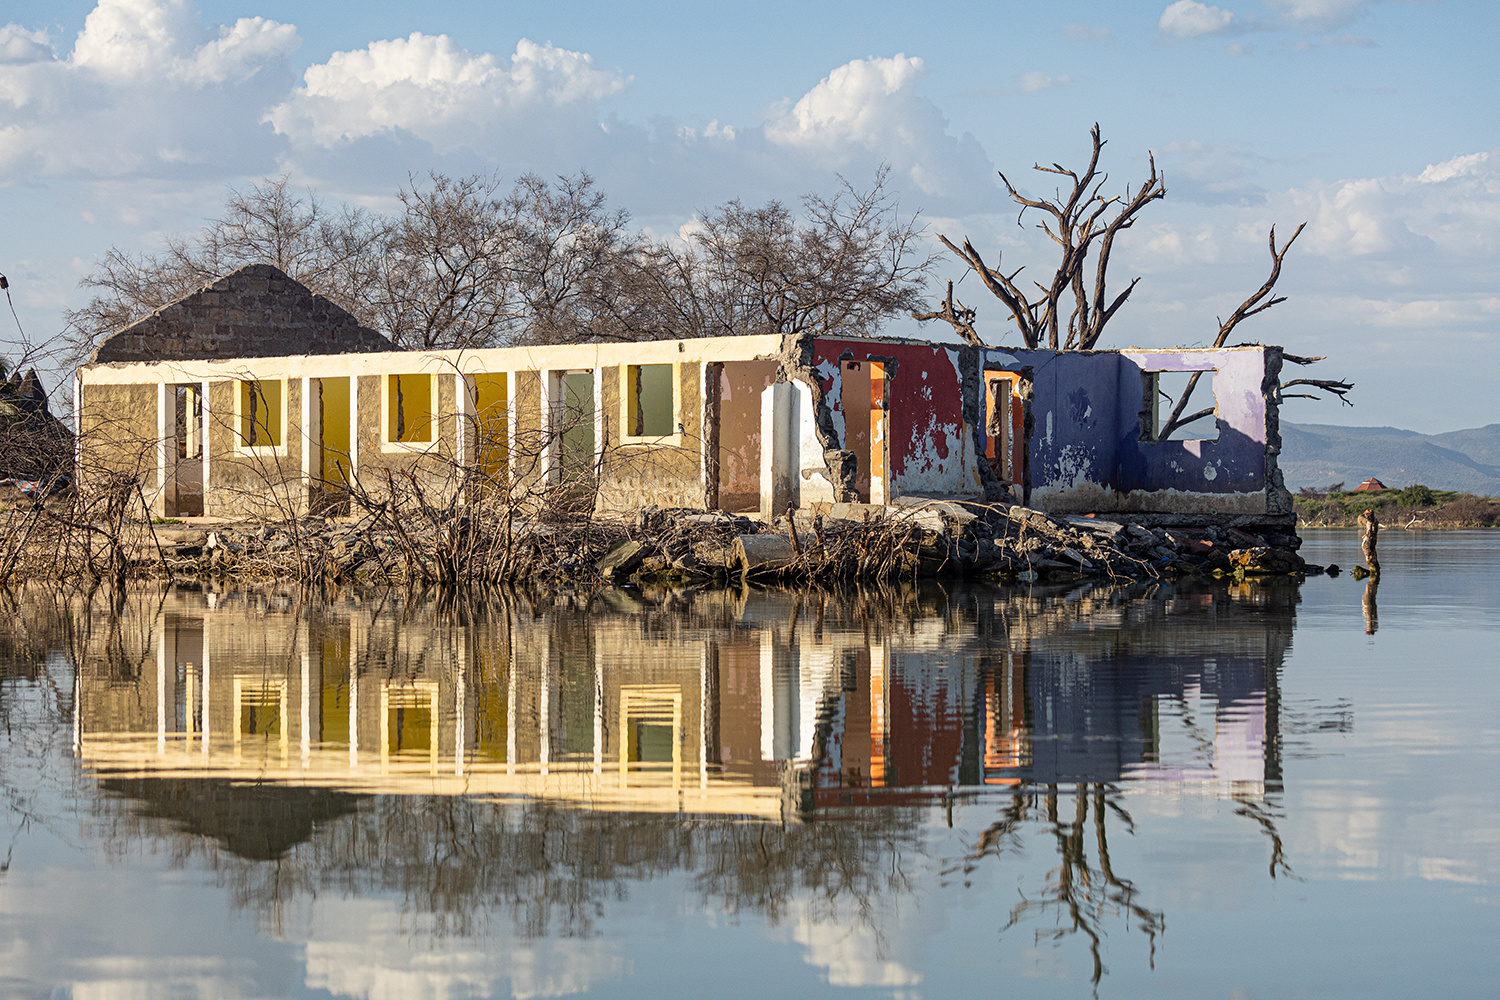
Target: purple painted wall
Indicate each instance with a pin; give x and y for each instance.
(1085, 451)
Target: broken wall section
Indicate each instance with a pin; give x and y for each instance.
(1092, 442)
(902, 409)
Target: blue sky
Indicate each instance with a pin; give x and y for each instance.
(1375, 122)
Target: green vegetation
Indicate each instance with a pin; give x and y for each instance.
(1337, 507)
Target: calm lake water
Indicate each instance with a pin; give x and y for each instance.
(1198, 790)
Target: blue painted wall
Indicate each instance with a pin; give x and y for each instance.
(1085, 450)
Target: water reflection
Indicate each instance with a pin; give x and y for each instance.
(1372, 611)
(510, 769)
(766, 704)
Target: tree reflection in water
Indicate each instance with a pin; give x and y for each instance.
(780, 752)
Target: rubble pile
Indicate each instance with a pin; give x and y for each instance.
(831, 543)
(939, 538)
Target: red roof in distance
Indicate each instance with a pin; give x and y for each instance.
(1371, 484)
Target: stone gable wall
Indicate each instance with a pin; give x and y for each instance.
(255, 312)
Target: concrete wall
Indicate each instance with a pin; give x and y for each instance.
(930, 425)
(1089, 447)
(124, 420)
(665, 471)
(917, 411)
(739, 442)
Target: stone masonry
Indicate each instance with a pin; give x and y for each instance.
(254, 312)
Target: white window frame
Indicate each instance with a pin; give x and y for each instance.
(389, 447)
(258, 450)
(673, 439)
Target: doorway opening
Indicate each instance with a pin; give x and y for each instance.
(332, 440)
(866, 404)
(184, 479)
(1004, 423)
(737, 450)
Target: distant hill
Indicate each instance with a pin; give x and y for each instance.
(1322, 454)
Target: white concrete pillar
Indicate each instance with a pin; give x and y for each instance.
(600, 421)
(463, 395)
(311, 435)
(165, 399)
(353, 428)
(207, 726)
(510, 714)
(779, 433)
(203, 440)
(304, 722)
(598, 713)
(551, 403)
(460, 694)
(161, 685)
(353, 708)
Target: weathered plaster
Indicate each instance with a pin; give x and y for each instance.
(1089, 453)
(1080, 440)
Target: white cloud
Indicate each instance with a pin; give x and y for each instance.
(1437, 221)
(1036, 81)
(145, 91)
(165, 39)
(1188, 19)
(851, 952)
(869, 108)
(1459, 166)
(856, 103)
(1321, 15)
(17, 45)
(437, 90)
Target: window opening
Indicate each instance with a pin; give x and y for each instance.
(409, 409)
(650, 398)
(1165, 391)
(261, 413)
(577, 430)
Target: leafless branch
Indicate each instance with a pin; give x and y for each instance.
(1079, 221)
(960, 317)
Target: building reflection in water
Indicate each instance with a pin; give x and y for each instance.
(747, 704)
(337, 733)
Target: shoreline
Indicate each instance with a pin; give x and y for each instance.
(927, 540)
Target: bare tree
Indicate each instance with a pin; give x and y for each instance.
(1081, 219)
(333, 252)
(1077, 218)
(465, 264)
(848, 265)
(568, 245)
(446, 279)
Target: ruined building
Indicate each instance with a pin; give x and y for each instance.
(255, 397)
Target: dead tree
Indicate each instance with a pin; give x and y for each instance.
(960, 317)
(1259, 301)
(1080, 220)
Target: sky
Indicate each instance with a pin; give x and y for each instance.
(1373, 121)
